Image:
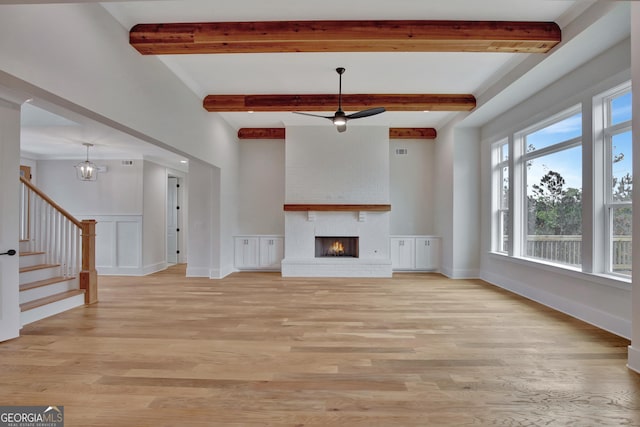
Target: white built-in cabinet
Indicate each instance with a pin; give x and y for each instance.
(271, 252)
(258, 252)
(402, 253)
(420, 253)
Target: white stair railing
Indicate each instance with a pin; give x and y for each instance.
(50, 229)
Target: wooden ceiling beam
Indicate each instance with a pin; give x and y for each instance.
(345, 36)
(412, 133)
(394, 133)
(261, 133)
(350, 102)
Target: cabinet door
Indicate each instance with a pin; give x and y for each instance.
(246, 252)
(271, 252)
(427, 253)
(402, 253)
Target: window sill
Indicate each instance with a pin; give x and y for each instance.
(598, 278)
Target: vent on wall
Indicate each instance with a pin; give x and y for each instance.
(127, 163)
(402, 151)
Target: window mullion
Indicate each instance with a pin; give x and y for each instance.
(517, 193)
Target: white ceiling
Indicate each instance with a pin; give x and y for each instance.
(291, 73)
(47, 135)
(307, 73)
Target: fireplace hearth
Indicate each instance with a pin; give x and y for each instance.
(336, 246)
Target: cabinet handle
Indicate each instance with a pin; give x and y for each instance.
(401, 243)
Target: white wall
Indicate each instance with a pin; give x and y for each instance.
(9, 215)
(226, 199)
(604, 303)
(457, 199)
(262, 183)
(324, 166)
(99, 75)
(204, 220)
(129, 203)
(101, 72)
(412, 181)
(444, 218)
(119, 191)
(634, 350)
(154, 223)
(261, 187)
(466, 204)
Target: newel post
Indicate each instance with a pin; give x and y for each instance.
(88, 273)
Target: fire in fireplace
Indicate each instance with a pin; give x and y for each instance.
(336, 246)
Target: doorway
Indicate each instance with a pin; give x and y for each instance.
(173, 220)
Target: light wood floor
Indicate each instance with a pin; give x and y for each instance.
(255, 349)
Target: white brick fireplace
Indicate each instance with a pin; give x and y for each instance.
(337, 184)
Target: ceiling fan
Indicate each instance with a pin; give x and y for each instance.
(339, 118)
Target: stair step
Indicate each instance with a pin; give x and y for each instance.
(31, 253)
(50, 299)
(45, 282)
(24, 246)
(38, 267)
(28, 258)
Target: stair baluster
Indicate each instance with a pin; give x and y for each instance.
(65, 240)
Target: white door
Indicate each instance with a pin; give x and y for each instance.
(9, 220)
(172, 220)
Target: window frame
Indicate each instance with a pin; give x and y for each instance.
(605, 132)
(596, 182)
(499, 209)
(520, 193)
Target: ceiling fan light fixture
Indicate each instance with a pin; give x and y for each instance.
(87, 170)
(339, 119)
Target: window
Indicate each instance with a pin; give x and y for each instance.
(552, 165)
(538, 178)
(501, 196)
(618, 180)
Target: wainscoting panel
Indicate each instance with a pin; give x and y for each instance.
(128, 242)
(118, 244)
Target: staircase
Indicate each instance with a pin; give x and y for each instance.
(44, 291)
(57, 258)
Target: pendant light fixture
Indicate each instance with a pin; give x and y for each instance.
(87, 170)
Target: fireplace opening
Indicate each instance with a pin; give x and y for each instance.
(336, 246)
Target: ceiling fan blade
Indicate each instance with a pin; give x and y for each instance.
(366, 113)
(341, 128)
(313, 115)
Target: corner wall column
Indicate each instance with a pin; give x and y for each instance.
(634, 349)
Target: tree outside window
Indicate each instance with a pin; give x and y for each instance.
(553, 168)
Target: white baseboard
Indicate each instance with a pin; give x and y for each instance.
(119, 271)
(633, 361)
(154, 268)
(221, 273)
(598, 318)
(197, 271)
(460, 273)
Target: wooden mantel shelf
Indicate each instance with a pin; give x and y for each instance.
(337, 208)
